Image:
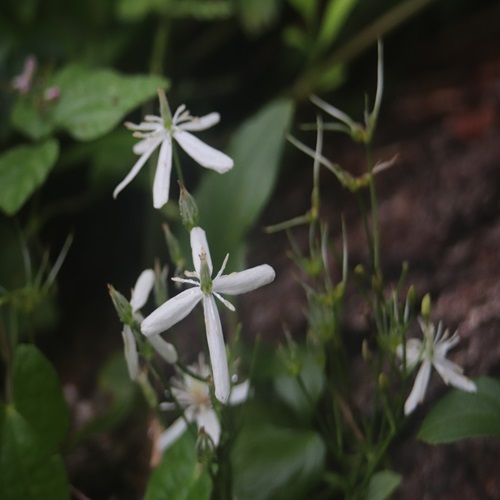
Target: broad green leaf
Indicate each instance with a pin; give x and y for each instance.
(93, 102)
(382, 485)
(22, 170)
(301, 393)
(38, 398)
(277, 463)
(460, 415)
(179, 475)
(33, 116)
(230, 204)
(334, 18)
(28, 472)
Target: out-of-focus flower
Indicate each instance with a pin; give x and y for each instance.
(432, 352)
(193, 396)
(22, 82)
(157, 131)
(205, 289)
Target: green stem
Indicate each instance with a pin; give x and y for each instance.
(160, 45)
(177, 164)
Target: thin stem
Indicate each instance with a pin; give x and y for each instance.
(160, 45)
(375, 224)
(177, 163)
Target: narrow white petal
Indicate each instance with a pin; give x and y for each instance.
(202, 153)
(143, 126)
(224, 301)
(164, 349)
(201, 123)
(135, 169)
(451, 373)
(142, 289)
(446, 344)
(170, 313)
(130, 349)
(140, 147)
(419, 387)
(239, 393)
(161, 185)
(216, 349)
(171, 434)
(207, 419)
(199, 244)
(244, 281)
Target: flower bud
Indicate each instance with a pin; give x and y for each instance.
(205, 448)
(122, 306)
(188, 208)
(426, 306)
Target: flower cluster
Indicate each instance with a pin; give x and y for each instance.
(193, 391)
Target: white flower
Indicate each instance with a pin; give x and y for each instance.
(158, 131)
(139, 297)
(432, 352)
(178, 307)
(193, 395)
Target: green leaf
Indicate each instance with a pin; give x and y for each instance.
(33, 116)
(28, 472)
(22, 170)
(301, 393)
(179, 475)
(32, 428)
(382, 485)
(93, 102)
(230, 204)
(38, 397)
(334, 18)
(460, 415)
(277, 463)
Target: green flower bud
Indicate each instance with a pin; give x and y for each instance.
(426, 306)
(122, 306)
(188, 209)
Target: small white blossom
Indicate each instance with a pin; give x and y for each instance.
(193, 396)
(157, 131)
(139, 297)
(432, 352)
(205, 289)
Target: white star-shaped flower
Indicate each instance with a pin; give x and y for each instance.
(157, 131)
(140, 294)
(205, 289)
(432, 352)
(193, 395)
